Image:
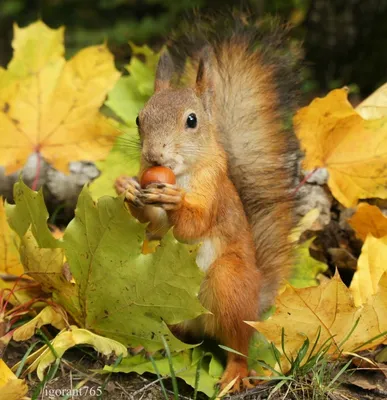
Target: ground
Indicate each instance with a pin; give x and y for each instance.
(77, 369)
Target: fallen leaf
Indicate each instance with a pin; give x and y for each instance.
(185, 365)
(9, 255)
(118, 291)
(374, 106)
(371, 265)
(49, 315)
(45, 265)
(50, 106)
(123, 293)
(66, 339)
(306, 268)
(329, 307)
(368, 219)
(29, 211)
(11, 388)
(333, 135)
(42, 255)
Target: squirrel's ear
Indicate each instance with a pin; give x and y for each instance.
(164, 72)
(204, 80)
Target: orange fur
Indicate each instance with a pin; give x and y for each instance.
(233, 181)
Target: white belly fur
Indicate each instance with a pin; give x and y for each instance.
(207, 253)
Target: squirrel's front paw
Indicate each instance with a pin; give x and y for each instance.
(131, 188)
(169, 197)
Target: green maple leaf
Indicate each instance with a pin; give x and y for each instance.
(306, 268)
(132, 91)
(119, 292)
(40, 253)
(185, 366)
(125, 294)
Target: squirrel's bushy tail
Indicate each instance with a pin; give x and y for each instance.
(254, 75)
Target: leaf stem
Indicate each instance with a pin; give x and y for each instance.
(303, 181)
(38, 169)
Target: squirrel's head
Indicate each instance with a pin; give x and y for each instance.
(175, 124)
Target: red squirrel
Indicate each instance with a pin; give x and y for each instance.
(223, 137)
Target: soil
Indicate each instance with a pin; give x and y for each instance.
(75, 376)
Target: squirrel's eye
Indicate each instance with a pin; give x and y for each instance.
(137, 121)
(192, 121)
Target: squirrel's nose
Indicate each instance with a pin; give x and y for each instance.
(154, 158)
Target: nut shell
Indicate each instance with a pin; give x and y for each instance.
(157, 175)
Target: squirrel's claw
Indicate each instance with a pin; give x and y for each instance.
(166, 196)
(131, 188)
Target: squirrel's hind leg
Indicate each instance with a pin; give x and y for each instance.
(230, 291)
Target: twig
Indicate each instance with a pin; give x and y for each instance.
(144, 388)
(122, 388)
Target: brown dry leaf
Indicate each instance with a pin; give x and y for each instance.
(354, 151)
(374, 106)
(9, 255)
(368, 219)
(372, 264)
(51, 106)
(330, 307)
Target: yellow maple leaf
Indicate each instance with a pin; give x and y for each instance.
(9, 255)
(66, 339)
(354, 151)
(51, 106)
(368, 219)
(49, 315)
(329, 307)
(374, 106)
(372, 264)
(11, 388)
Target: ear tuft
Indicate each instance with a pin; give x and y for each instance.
(164, 72)
(204, 79)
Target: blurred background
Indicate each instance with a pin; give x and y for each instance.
(345, 41)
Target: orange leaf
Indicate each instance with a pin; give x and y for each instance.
(368, 219)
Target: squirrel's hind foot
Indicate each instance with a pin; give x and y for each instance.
(236, 368)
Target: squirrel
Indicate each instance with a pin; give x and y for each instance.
(224, 138)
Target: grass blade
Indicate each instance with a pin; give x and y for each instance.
(345, 367)
(160, 378)
(197, 376)
(173, 376)
(24, 359)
